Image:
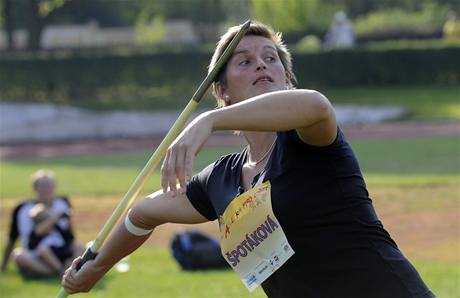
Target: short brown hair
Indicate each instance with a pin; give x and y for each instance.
(41, 174)
(257, 29)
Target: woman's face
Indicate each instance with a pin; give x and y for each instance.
(44, 187)
(254, 68)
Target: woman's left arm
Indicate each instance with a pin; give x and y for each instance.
(48, 224)
(307, 111)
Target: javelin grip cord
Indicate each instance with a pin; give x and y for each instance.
(159, 153)
(88, 255)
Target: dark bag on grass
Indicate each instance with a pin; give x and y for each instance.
(195, 251)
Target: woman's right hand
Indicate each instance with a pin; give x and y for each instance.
(178, 163)
(84, 279)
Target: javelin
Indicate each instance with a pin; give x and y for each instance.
(159, 153)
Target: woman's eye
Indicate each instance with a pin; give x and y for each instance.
(244, 62)
(270, 59)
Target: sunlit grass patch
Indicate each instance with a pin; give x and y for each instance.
(442, 277)
(385, 179)
(154, 273)
(414, 184)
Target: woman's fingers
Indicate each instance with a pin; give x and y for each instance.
(189, 156)
(171, 175)
(82, 280)
(180, 164)
(177, 166)
(68, 279)
(75, 263)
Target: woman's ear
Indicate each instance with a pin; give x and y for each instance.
(227, 100)
(221, 92)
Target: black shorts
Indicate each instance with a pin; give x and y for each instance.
(63, 253)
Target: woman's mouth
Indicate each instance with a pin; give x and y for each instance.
(263, 79)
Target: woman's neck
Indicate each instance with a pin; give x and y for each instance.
(259, 145)
(48, 201)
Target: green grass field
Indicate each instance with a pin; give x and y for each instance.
(153, 273)
(397, 161)
(414, 182)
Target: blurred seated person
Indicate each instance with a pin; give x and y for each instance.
(51, 246)
(340, 34)
(45, 232)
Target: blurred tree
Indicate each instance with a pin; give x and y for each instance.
(356, 8)
(38, 13)
(7, 22)
(236, 11)
(284, 15)
(451, 28)
(296, 18)
(424, 22)
(150, 23)
(206, 15)
(29, 14)
(309, 43)
(107, 13)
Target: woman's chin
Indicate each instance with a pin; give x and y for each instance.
(259, 90)
(266, 89)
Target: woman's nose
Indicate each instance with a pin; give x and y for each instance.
(261, 65)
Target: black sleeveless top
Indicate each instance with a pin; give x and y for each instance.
(320, 199)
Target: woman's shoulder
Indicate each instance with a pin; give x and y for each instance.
(22, 209)
(291, 138)
(230, 160)
(61, 202)
(24, 204)
(228, 163)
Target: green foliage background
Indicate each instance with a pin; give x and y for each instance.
(166, 79)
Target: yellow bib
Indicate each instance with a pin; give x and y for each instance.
(252, 240)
